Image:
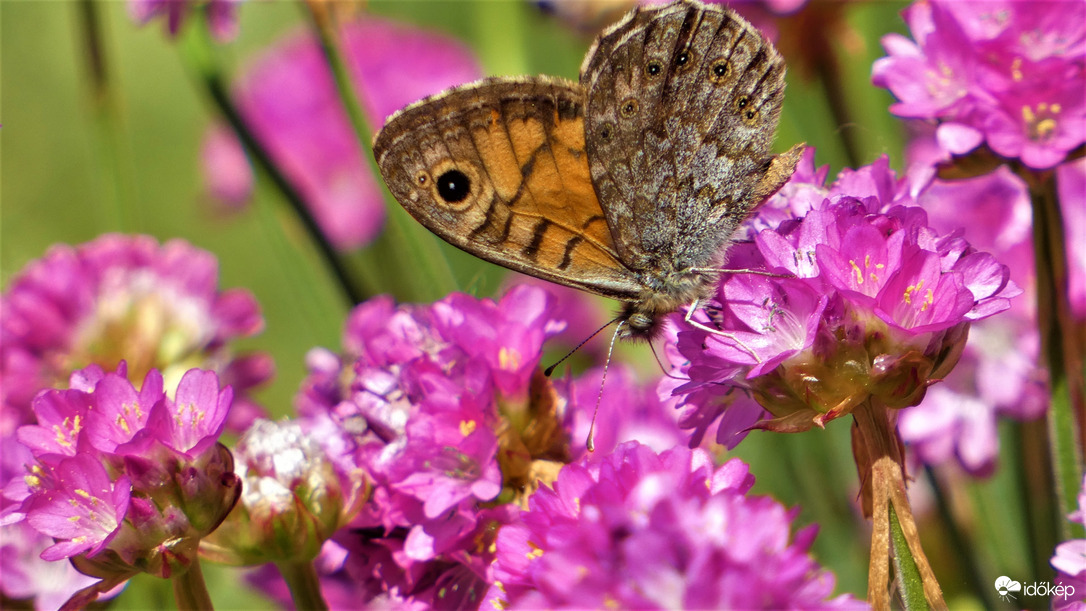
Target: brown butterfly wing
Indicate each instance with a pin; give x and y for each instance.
(498, 168)
(683, 101)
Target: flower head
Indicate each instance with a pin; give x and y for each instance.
(1007, 74)
(290, 101)
(126, 480)
(876, 306)
(123, 298)
(640, 529)
(294, 497)
(449, 412)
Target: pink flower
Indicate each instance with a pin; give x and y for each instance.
(878, 305)
(124, 298)
(81, 507)
(640, 529)
(1007, 74)
(221, 18)
(131, 480)
(440, 401)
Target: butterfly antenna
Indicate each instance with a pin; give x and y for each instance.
(589, 443)
(664, 369)
(549, 370)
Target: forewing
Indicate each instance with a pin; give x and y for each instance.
(498, 168)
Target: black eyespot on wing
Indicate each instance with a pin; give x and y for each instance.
(453, 186)
(654, 67)
(682, 58)
(719, 71)
(606, 132)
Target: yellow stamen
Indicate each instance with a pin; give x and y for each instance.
(859, 273)
(467, 427)
(508, 359)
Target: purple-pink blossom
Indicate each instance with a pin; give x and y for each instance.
(455, 424)
(221, 15)
(449, 411)
(875, 303)
(123, 297)
(125, 480)
(1010, 75)
(290, 101)
(670, 530)
(80, 506)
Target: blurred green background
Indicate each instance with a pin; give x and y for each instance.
(57, 186)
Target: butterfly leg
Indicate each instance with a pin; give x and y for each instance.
(689, 319)
(754, 272)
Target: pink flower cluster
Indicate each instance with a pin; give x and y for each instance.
(1005, 73)
(874, 303)
(125, 480)
(127, 298)
(644, 530)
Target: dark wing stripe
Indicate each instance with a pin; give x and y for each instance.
(567, 256)
(592, 219)
(487, 220)
(532, 250)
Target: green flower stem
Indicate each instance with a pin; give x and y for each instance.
(879, 455)
(199, 56)
(106, 120)
(305, 591)
(1062, 349)
(912, 586)
(425, 273)
(189, 589)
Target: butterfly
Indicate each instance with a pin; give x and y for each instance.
(627, 184)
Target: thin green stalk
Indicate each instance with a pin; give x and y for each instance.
(201, 60)
(959, 543)
(305, 587)
(426, 273)
(1039, 503)
(909, 582)
(829, 74)
(190, 590)
(106, 121)
(1061, 344)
